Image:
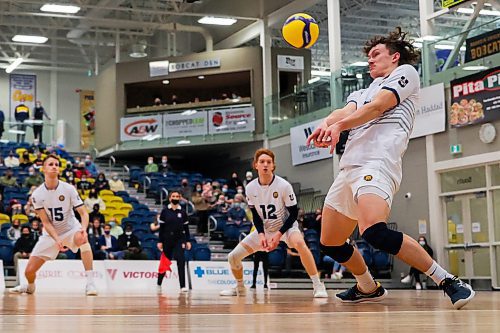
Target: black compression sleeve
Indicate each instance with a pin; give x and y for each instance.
(257, 221)
(294, 212)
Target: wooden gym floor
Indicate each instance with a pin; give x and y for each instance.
(280, 311)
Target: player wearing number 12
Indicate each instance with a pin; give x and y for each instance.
(54, 201)
(274, 209)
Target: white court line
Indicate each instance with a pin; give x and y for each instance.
(251, 314)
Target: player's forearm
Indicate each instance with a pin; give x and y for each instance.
(292, 217)
(257, 221)
(337, 116)
(47, 225)
(84, 218)
(362, 115)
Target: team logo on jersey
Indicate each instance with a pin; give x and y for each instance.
(61, 198)
(368, 178)
(403, 81)
(291, 197)
(275, 195)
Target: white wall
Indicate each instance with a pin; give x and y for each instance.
(66, 104)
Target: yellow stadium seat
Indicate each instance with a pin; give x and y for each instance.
(21, 217)
(4, 218)
(91, 180)
(111, 205)
(105, 193)
(20, 151)
(125, 207)
(116, 199)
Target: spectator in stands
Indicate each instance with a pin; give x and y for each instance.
(234, 181)
(186, 191)
(36, 228)
(151, 166)
(415, 273)
(336, 269)
(21, 113)
(107, 243)
(248, 178)
(24, 245)
(14, 232)
(90, 166)
(39, 114)
(38, 162)
(116, 230)
(201, 204)
(95, 213)
(96, 228)
(157, 101)
(236, 214)
(82, 172)
(101, 183)
(225, 190)
(11, 161)
(2, 163)
(93, 199)
(216, 191)
(24, 161)
(164, 167)
(240, 190)
(68, 171)
(2, 119)
(155, 226)
(33, 179)
(129, 246)
(174, 99)
(29, 209)
(116, 184)
(8, 179)
(300, 218)
(221, 205)
(14, 208)
(72, 181)
(2, 207)
(84, 184)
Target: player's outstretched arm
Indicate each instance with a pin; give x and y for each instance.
(47, 225)
(334, 117)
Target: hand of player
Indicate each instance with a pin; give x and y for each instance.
(159, 246)
(275, 240)
(333, 133)
(317, 135)
(188, 246)
(61, 247)
(263, 242)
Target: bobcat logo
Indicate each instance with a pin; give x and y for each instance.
(403, 81)
(368, 178)
(61, 198)
(275, 195)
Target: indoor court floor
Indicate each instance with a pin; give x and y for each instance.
(280, 311)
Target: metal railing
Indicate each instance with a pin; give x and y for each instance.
(163, 191)
(111, 163)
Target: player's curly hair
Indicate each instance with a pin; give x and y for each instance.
(396, 41)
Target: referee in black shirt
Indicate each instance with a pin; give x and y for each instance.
(174, 236)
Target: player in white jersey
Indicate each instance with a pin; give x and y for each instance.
(381, 120)
(54, 202)
(274, 209)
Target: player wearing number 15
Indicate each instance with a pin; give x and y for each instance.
(274, 209)
(54, 201)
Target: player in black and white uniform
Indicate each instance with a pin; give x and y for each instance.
(381, 120)
(274, 209)
(54, 202)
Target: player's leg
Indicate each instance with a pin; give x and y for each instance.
(373, 213)
(80, 241)
(246, 247)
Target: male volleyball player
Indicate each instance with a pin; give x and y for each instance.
(381, 119)
(54, 201)
(274, 208)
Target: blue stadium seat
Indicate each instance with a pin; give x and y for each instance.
(152, 253)
(381, 261)
(123, 194)
(6, 251)
(130, 200)
(366, 251)
(277, 258)
(231, 232)
(202, 253)
(149, 237)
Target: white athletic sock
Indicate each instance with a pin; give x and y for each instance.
(315, 279)
(366, 284)
(90, 276)
(437, 273)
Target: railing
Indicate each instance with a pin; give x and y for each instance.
(163, 191)
(147, 183)
(13, 131)
(125, 171)
(111, 163)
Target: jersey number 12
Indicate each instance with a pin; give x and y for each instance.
(269, 211)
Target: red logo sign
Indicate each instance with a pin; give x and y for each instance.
(141, 127)
(112, 273)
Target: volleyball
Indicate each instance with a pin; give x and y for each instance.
(300, 31)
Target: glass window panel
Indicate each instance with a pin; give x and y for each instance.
(464, 179)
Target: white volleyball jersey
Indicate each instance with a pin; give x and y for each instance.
(58, 205)
(271, 201)
(382, 142)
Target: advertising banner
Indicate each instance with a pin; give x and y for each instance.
(451, 3)
(290, 62)
(481, 46)
(87, 118)
(22, 87)
(300, 152)
(216, 275)
(137, 128)
(475, 98)
(2, 278)
(430, 117)
(231, 120)
(187, 123)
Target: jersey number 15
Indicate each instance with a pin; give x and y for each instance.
(57, 214)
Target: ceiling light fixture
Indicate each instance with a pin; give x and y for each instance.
(475, 68)
(320, 73)
(201, 77)
(165, 81)
(14, 65)
(55, 8)
(314, 80)
(217, 20)
(183, 142)
(29, 39)
(138, 51)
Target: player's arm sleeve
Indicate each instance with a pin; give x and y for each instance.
(37, 201)
(354, 97)
(293, 212)
(257, 221)
(76, 201)
(403, 82)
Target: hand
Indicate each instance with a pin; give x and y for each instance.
(333, 133)
(61, 247)
(263, 241)
(183, 245)
(318, 134)
(275, 240)
(188, 246)
(159, 246)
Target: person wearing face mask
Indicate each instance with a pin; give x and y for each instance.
(82, 172)
(234, 182)
(151, 166)
(414, 273)
(84, 185)
(248, 178)
(96, 214)
(174, 237)
(33, 179)
(11, 161)
(201, 206)
(90, 166)
(186, 190)
(39, 114)
(35, 228)
(38, 162)
(8, 179)
(94, 199)
(107, 243)
(24, 161)
(164, 167)
(236, 214)
(129, 246)
(157, 101)
(101, 183)
(14, 232)
(116, 184)
(116, 230)
(24, 245)
(240, 190)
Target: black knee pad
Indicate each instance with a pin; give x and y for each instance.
(340, 253)
(382, 238)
